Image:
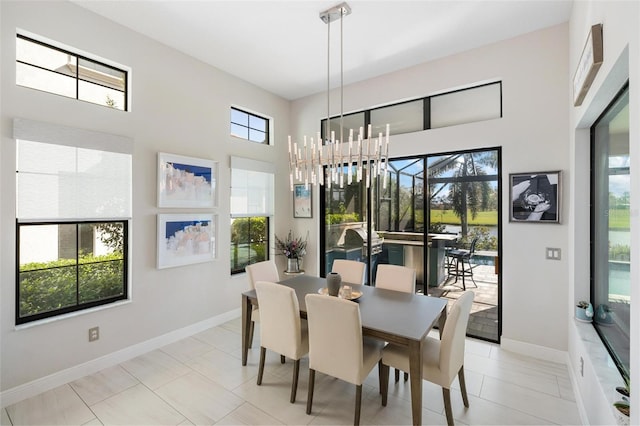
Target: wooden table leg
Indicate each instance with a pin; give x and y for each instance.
(246, 326)
(415, 373)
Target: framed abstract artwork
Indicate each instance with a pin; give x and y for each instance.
(186, 181)
(535, 197)
(302, 207)
(185, 239)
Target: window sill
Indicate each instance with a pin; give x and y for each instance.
(606, 372)
(70, 315)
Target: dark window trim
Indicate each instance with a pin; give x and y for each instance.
(369, 193)
(268, 221)
(78, 306)
(592, 226)
(427, 108)
(77, 77)
(267, 140)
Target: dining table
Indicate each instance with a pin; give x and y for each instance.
(392, 316)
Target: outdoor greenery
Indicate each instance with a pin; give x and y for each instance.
(48, 286)
(248, 241)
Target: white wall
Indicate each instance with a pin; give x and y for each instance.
(179, 105)
(533, 137)
(621, 40)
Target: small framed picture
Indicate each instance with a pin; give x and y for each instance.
(186, 181)
(302, 207)
(184, 239)
(535, 197)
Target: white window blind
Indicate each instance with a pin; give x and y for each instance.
(71, 174)
(252, 187)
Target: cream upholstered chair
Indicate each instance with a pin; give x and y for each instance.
(394, 277)
(281, 329)
(337, 347)
(351, 271)
(398, 278)
(441, 359)
(261, 271)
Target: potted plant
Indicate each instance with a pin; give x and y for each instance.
(622, 406)
(584, 311)
(294, 248)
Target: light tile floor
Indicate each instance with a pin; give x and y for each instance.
(200, 381)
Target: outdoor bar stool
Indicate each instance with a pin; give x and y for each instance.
(460, 264)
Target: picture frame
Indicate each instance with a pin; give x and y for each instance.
(302, 201)
(535, 197)
(185, 239)
(588, 65)
(187, 181)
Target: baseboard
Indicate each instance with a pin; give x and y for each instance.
(536, 351)
(43, 384)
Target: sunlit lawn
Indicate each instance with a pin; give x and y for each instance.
(487, 218)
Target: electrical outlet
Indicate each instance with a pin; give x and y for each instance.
(94, 334)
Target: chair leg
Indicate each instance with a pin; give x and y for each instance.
(312, 378)
(463, 386)
(263, 352)
(281, 359)
(356, 416)
(446, 395)
(380, 376)
(251, 328)
(294, 381)
(385, 384)
(397, 374)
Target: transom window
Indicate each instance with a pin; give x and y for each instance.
(252, 127)
(51, 69)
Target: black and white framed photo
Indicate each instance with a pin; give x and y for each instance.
(186, 181)
(302, 207)
(535, 197)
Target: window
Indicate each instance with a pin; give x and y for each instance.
(249, 126)
(51, 69)
(483, 102)
(252, 194)
(611, 230)
(73, 210)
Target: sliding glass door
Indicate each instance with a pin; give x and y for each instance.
(413, 215)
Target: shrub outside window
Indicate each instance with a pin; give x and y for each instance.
(249, 242)
(65, 267)
(48, 68)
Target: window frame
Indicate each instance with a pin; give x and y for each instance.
(624, 371)
(266, 241)
(247, 126)
(427, 111)
(77, 307)
(77, 77)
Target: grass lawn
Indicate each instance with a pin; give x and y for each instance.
(618, 219)
(448, 217)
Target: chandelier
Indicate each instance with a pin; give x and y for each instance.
(308, 160)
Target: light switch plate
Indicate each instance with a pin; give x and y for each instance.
(553, 253)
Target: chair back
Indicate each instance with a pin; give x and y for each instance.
(472, 247)
(262, 271)
(394, 277)
(335, 337)
(280, 324)
(350, 270)
(453, 336)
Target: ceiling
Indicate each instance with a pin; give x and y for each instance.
(281, 46)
